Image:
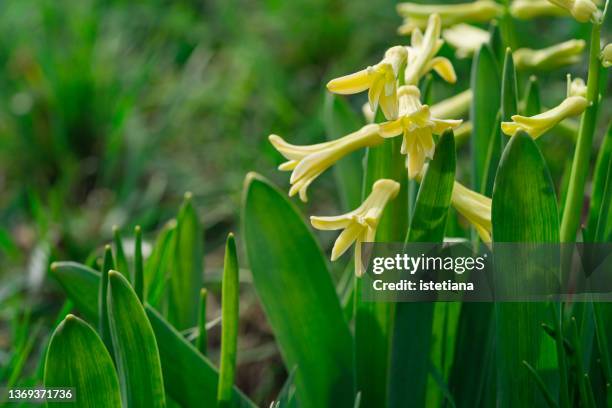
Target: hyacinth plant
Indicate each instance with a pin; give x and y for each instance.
(141, 340)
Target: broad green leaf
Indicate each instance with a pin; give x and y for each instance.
(186, 277)
(77, 358)
(340, 120)
(496, 41)
(524, 210)
(189, 378)
(229, 323)
(374, 320)
(103, 326)
(298, 296)
(134, 345)
(486, 85)
(410, 358)
(158, 264)
(120, 259)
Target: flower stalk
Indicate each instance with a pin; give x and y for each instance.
(572, 212)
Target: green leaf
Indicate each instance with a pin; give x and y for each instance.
(229, 323)
(374, 320)
(412, 339)
(298, 296)
(472, 360)
(486, 84)
(434, 197)
(158, 264)
(340, 120)
(134, 345)
(120, 259)
(531, 105)
(524, 210)
(138, 278)
(599, 225)
(202, 339)
(77, 358)
(186, 278)
(104, 328)
(509, 93)
(524, 202)
(189, 378)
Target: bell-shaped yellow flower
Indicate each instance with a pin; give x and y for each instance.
(308, 162)
(360, 224)
(476, 208)
(416, 15)
(528, 9)
(417, 126)
(465, 39)
(422, 51)
(581, 10)
(559, 55)
(536, 126)
(380, 80)
(606, 56)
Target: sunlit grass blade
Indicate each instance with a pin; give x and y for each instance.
(134, 345)
(190, 378)
(524, 210)
(158, 264)
(121, 262)
(186, 277)
(78, 359)
(229, 323)
(298, 296)
(410, 358)
(339, 120)
(103, 327)
(138, 272)
(486, 85)
(202, 339)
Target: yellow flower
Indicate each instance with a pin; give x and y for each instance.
(380, 80)
(416, 15)
(606, 56)
(417, 126)
(308, 162)
(536, 126)
(476, 208)
(582, 10)
(528, 9)
(421, 54)
(456, 105)
(466, 39)
(360, 224)
(565, 53)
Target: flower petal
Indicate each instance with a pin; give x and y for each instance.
(352, 83)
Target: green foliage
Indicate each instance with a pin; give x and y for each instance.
(134, 345)
(298, 296)
(412, 336)
(78, 359)
(229, 323)
(187, 269)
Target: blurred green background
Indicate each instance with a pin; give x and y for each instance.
(111, 110)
